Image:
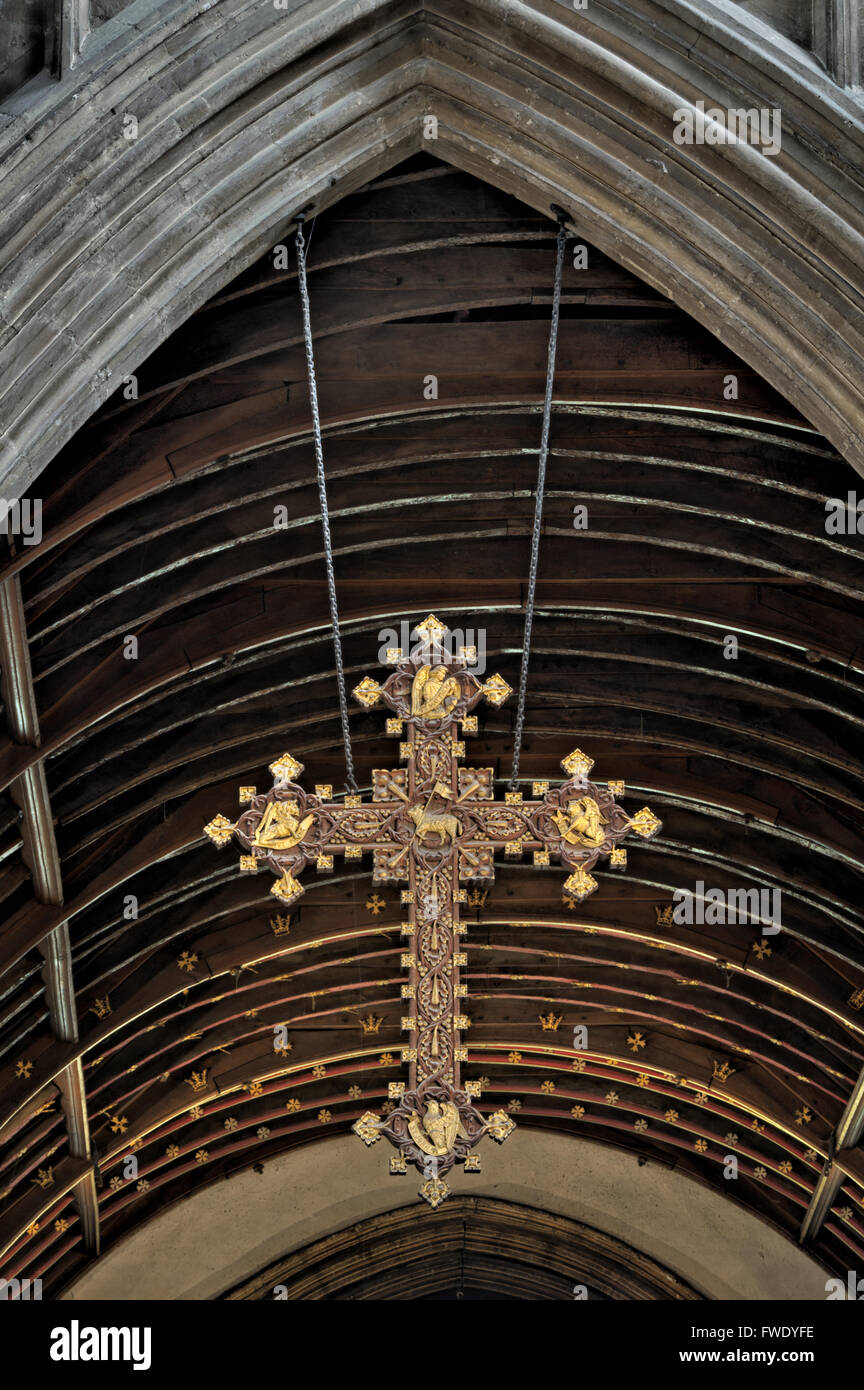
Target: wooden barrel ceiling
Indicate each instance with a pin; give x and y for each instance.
(142, 975)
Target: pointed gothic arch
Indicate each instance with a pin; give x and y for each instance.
(242, 117)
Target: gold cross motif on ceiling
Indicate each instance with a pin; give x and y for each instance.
(433, 826)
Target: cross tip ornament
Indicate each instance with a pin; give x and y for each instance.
(220, 830)
(500, 1126)
(431, 630)
(434, 1191)
(286, 769)
(645, 823)
(580, 884)
(577, 764)
(496, 690)
(368, 1128)
(367, 693)
(286, 888)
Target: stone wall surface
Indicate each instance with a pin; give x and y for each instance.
(174, 153)
(205, 1245)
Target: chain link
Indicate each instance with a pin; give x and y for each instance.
(325, 515)
(538, 504)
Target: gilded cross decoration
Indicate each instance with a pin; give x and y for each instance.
(433, 827)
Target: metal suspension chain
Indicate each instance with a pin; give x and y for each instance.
(322, 495)
(538, 502)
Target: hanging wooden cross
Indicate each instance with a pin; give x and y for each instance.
(433, 826)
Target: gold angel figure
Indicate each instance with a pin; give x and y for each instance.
(439, 1126)
(434, 692)
(281, 827)
(582, 823)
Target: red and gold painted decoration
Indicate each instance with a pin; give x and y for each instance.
(433, 827)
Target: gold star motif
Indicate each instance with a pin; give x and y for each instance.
(671, 1116)
(23, 1069)
(701, 1146)
(324, 1117)
(640, 1126)
(33, 1228)
(292, 1105)
(803, 1116)
(514, 1057)
(187, 961)
(635, 1041)
(577, 1112)
(612, 1097)
(61, 1225)
(548, 1087)
(201, 1156)
(319, 1071)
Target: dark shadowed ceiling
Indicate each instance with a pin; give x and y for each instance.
(135, 957)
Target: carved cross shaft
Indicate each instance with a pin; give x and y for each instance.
(433, 826)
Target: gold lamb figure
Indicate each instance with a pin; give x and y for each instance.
(281, 827)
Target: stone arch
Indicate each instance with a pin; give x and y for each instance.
(713, 1246)
(112, 243)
